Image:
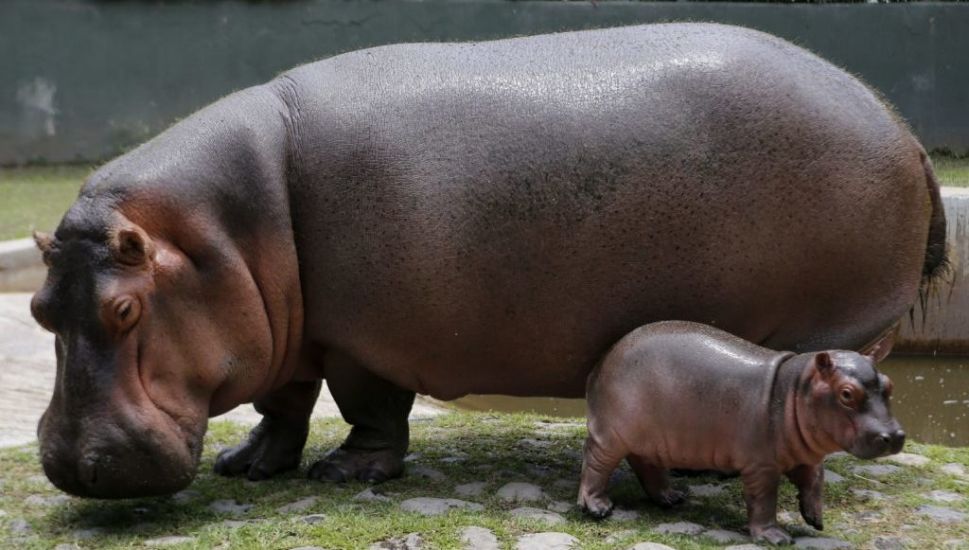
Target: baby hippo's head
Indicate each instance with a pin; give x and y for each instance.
(849, 402)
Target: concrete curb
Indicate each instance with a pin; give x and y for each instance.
(21, 266)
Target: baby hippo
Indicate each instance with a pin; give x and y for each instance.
(685, 395)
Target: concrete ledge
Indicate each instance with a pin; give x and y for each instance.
(940, 325)
(21, 266)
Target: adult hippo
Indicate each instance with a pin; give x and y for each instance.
(465, 218)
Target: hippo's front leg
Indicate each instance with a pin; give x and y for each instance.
(276, 444)
(760, 494)
(377, 409)
(809, 481)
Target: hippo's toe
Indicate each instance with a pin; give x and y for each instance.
(270, 449)
(772, 535)
(342, 465)
(670, 497)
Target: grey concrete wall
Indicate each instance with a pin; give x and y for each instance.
(940, 325)
(83, 80)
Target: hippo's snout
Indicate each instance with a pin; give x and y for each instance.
(104, 460)
(102, 474)
(879, 443)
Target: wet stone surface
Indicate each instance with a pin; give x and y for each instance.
(875, 470)
(945, 496)
(537, 514)
(820, 543)
(411, 541)
(171, 540)
(907, 459)
(479, 538)
(679, 528)
(19, 526)
(954, 469)
(546, 541)
(833, 477)
(313, 518)
(650, 546)
(559, 506)
(891, 543)
(867, 494)
(722, 536)
(300, 505)
(941, 514)
(229, 506)
(432, 506)
(517, 491)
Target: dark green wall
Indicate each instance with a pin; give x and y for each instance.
(83, 80)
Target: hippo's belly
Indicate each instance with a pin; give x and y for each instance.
(467, 225)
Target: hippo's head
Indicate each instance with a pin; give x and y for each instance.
(847, 403)
(158, 326)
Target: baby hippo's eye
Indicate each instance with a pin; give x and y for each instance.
(847, 397)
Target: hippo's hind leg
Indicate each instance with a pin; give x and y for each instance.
(600, 458)
(656, 482)
(377, 410)
(760, 494)
(276, 444)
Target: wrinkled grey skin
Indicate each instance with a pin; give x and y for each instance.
(471, 218)
(676, 394)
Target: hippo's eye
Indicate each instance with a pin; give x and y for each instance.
(123, 310)
(847, 397)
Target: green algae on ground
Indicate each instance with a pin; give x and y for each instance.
(465, 447)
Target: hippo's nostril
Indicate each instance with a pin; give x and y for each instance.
(884, 437)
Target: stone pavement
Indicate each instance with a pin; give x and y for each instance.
(27, 369)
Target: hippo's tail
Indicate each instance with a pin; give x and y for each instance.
(936, 262)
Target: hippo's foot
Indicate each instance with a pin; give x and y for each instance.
(370, 466)
(811, 512)
(771, 534)
(596, 507)
(669, 497)
(272, 447)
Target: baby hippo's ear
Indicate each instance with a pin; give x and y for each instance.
(824, 364)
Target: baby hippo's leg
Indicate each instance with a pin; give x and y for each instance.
(599, 460)
(809, 481)
(760, 493)
(656, 482)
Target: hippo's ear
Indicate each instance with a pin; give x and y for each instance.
(131, 246)
(824, 364)
(45, 243)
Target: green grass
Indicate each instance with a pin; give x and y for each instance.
(36, 197)
(495, 449)
(952, 171)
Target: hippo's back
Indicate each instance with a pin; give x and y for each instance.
(491, 217)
